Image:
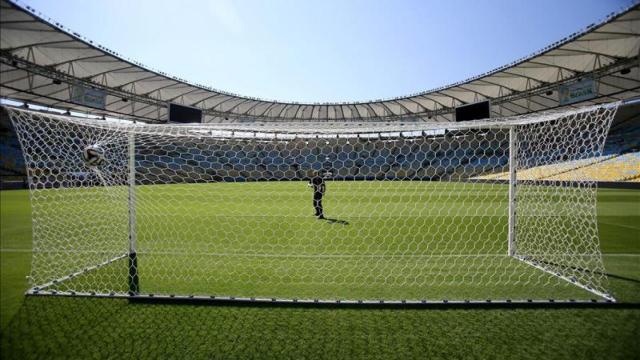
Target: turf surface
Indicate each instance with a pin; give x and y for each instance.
(84, 328)
(391, 240)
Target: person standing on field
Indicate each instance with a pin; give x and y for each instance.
(319, 187)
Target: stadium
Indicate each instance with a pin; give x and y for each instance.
(144, 215)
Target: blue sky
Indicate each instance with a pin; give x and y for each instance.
(314, 51)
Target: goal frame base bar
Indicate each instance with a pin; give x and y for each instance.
(251, 301)
(78, 273)
(41, 290)
(536, 264)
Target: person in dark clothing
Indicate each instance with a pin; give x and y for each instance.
(317, 183)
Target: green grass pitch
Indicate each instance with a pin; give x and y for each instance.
(46, 327)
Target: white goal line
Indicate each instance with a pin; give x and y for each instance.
(13, 250)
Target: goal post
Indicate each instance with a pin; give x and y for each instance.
(511, 248)
(413, 212)
(134, 282)
(556, 224)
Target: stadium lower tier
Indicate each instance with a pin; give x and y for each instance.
(625, 167)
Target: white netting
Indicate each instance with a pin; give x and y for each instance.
(226, 211)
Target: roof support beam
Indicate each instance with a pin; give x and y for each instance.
(246, 113)
(238, 104)
(415, 102)
(382, 103)
(170, 99)
(585, 52)
(284, 109)
(371, 110)
(450, 96)
(268, 108)
(148, 93)
(523, 76)
(195, 104)
(426, 96)
(222, 102)
(41, 44)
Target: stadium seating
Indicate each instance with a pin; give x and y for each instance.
(12, 167)
(428, 158)
(617, 168)
(603, 168)
(620, 161)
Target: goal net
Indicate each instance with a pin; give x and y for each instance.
(333, 211)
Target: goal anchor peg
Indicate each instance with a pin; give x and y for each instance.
(134, 282)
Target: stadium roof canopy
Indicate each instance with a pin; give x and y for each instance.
(42, 62)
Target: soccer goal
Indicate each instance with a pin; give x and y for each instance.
(412, 212)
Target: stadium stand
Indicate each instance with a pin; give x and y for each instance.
(12, 167)
(608, 55)
(356, 159)
(617, 168)
(620, 161)
(353, 159)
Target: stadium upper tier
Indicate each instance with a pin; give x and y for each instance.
(42, 61)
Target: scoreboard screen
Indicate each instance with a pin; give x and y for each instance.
(476, 111)
(184, 114)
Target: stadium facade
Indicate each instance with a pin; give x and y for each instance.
(42, 62)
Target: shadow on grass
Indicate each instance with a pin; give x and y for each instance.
(58, 327)
(608, 274)
(619, 277)
(336, 221)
